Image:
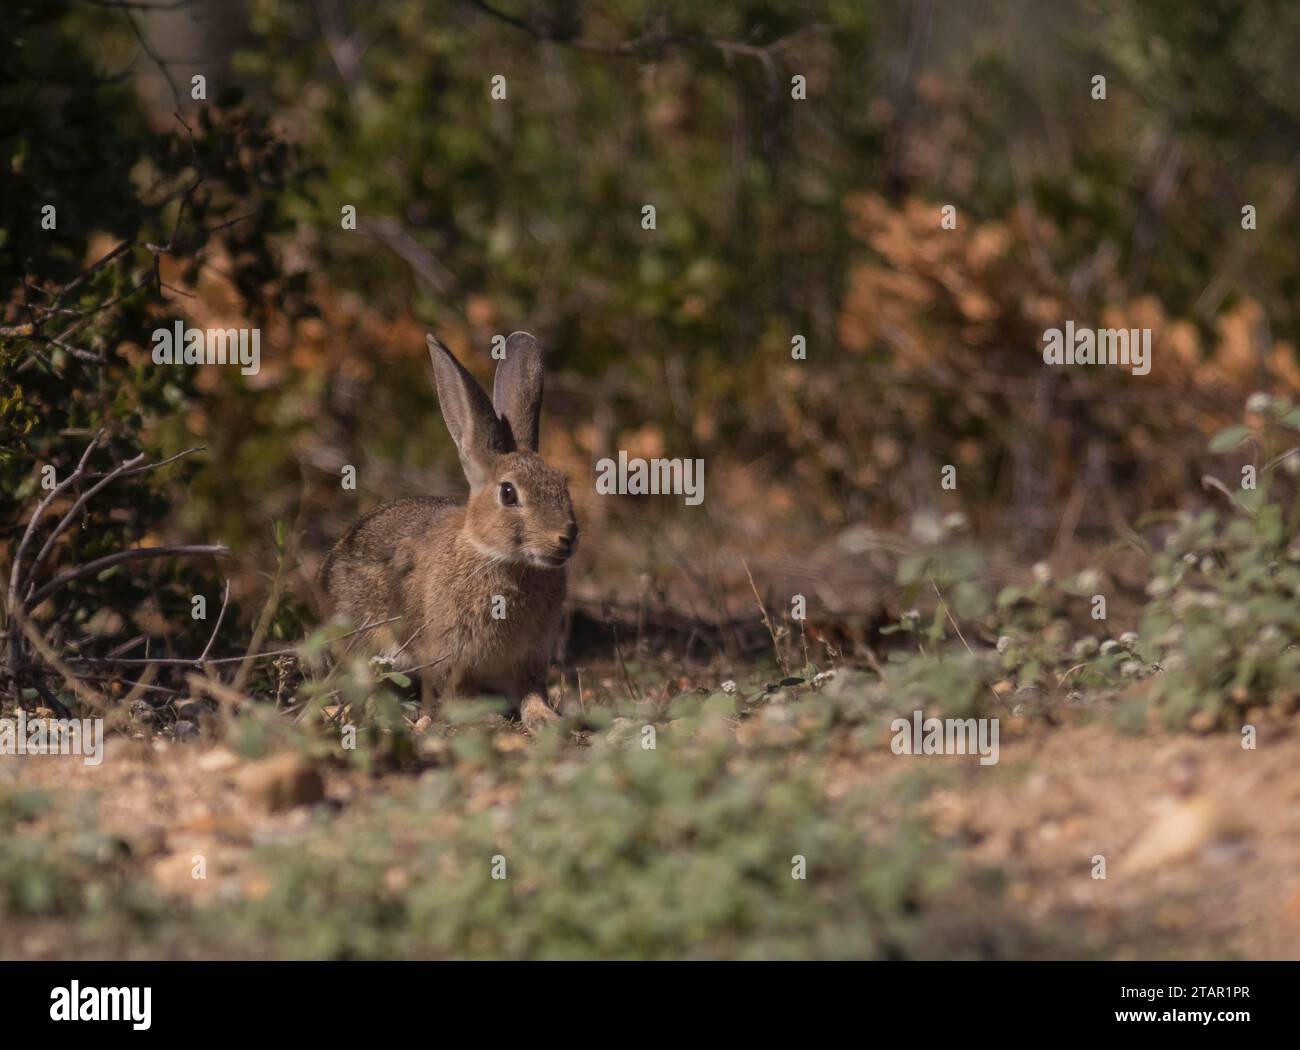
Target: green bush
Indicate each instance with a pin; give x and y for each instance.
(1224, 613)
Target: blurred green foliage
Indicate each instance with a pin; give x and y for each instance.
(1225, 608)
(609, 849)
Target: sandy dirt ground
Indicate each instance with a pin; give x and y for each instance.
(1200, 838)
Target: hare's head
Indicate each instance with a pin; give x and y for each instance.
(519, 508)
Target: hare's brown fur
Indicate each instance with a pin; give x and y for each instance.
(474, 591)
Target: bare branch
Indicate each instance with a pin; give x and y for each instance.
(767, 622)
(131, 466)
(225, 599)
(229, 699)
(55, 704)
(39, 643)
(427, 266)
(153, 55)
(651, 41)
(95, 267)
(183, 662)
(286, 556)
(216, 550)
(140, 5)
(345, 51)
(15, 570)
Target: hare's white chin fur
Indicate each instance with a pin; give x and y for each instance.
(490, 553)
(521, 556)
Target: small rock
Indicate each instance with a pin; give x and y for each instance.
(282, 782)
(1182, 833)
(508, 743)
(175, 873)
(218, 760)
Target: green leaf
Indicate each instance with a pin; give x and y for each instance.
(1227, 440)
(912, 568)
(969, 600)
(1008, 596)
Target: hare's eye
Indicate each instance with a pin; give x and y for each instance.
(509, 497)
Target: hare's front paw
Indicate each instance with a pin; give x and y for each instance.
(535, 712)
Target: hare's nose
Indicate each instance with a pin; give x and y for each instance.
(569, 536)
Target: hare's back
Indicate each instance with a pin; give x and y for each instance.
(365, 565)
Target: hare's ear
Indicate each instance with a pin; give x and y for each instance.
(517, 391)
(468, 414)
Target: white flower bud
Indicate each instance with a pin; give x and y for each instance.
(1085, 647)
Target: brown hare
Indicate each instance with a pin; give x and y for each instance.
(477, 588)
